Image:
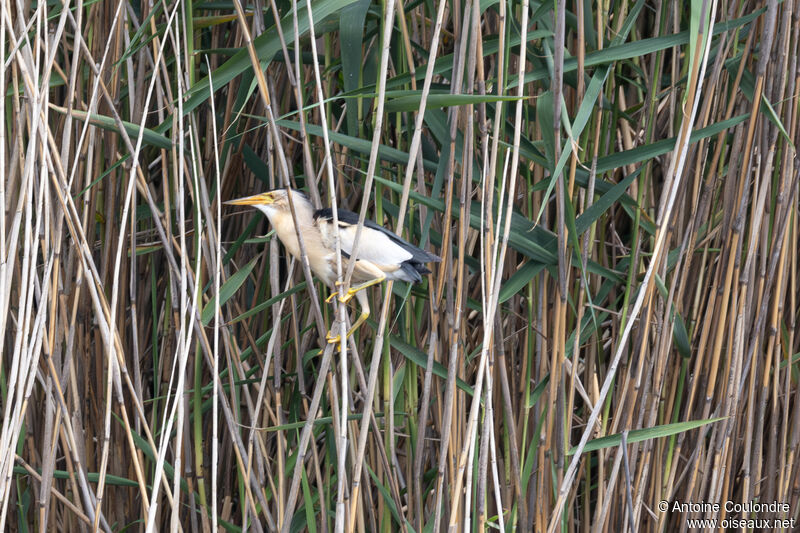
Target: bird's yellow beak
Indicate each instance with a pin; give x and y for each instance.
(265, 198)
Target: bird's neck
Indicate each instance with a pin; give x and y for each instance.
(284, 227)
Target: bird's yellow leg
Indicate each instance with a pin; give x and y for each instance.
(332, 340)
(364, 303)
(361, 318)
(328, 336)
(353, 290)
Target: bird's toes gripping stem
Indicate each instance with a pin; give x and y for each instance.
(347, 296)
(333, 293)
(344, 299)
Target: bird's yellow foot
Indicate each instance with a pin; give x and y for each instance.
(331, 339)
(335, 293)
(348, 296)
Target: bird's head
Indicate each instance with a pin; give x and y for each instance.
(272, 202)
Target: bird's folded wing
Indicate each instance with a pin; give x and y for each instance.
(377, 244)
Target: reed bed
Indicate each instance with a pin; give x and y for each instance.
(612, 186)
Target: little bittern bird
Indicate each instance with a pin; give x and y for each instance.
(382, 255)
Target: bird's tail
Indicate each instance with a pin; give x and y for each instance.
(413, 271)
